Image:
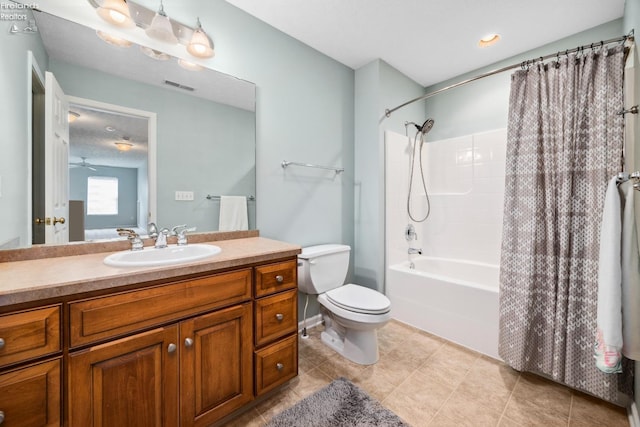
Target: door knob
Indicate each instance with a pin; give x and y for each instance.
(39, 220)
(55, 221)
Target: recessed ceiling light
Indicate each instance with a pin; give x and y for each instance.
(488, 40)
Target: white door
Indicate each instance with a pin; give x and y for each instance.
(56, 159)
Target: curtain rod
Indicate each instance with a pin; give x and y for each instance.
(387, 112)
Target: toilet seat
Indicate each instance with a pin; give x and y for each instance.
(359, 299)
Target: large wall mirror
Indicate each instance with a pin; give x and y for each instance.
(149, 140)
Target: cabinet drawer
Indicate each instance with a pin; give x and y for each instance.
(31, 396)
(276, 364)
(29, 334)
(104, 317)
(277, 277)
(276, 316)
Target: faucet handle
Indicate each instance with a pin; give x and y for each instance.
(178, 229)
(152, 230)
(129, 233)
(182, 234)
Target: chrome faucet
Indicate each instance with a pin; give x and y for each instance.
(161, 239)
(159, 236)
(412, 251)
(410, 233)
(136, 242)
(181, 232)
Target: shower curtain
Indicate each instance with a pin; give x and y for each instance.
(565, 141)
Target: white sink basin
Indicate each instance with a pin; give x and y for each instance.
(172, 254)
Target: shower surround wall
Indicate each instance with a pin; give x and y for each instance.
(465, 182)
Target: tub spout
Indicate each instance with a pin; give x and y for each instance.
(415, 251)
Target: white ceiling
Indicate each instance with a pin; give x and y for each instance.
(429, 40)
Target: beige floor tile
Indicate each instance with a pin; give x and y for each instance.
(536, 400)
(376, 382)
(338, 366)
(589, 411)
(305, 364)
(277, 403)
(469, 410)
(449, 365)
(309, 382)
(417, 400)
(251, 418)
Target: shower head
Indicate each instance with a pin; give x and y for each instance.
(426, 126)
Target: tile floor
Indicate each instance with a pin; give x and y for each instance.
(429, 381)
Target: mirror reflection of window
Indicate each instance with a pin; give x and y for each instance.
(102, 195)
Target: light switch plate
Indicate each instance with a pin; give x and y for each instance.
(184, 195)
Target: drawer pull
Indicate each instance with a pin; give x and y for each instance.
(1, 345)
(279, 317)
(188, 342)
(279, 278)
(279, 366)
(1, 417)
(172, 348)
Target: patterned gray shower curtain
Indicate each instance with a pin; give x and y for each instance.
(565, 141)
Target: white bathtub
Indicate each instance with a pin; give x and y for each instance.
(454, 299)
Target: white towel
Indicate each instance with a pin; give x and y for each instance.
(233, 213)
(609, 272)
(630, 274)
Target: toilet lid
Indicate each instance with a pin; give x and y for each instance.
(359, 299)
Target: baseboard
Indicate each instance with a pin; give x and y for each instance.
(312, 322)
(632, 413)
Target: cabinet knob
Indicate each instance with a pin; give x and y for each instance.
(172, 348)
(188, 342)
(1, 343)
(279, 279)
(279, 317)
(279, 366)
(1, 417)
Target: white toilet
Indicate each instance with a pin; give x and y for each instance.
(352, 313)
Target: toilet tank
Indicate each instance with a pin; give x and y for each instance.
(322, 268)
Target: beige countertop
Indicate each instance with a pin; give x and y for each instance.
(39, 279)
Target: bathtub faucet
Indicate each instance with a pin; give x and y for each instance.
(415, 251)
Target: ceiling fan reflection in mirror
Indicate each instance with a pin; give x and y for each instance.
(84, 164)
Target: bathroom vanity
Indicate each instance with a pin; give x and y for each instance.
(85, 344)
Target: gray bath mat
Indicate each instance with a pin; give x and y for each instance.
(339, 404)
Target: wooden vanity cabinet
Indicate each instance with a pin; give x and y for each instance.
(185, 352)
(276, 317)
(25, 337)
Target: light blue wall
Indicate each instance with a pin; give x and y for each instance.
(127, 196)
(202, 146)
(14, 76)
(304, 114)
(378, 86)
(483, 105)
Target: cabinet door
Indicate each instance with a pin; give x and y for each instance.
(31, 396)
(216, 365)
(128, 382)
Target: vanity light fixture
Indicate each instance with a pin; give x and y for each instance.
(155, 54)
(200, 46)
(189, 65)
(488, 40)
(116, 12)
(160, 28)
(72, 116)
(113, 40)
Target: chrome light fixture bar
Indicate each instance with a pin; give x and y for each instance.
(195, 40)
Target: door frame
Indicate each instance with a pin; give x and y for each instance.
(152, 122)
(33, 70)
